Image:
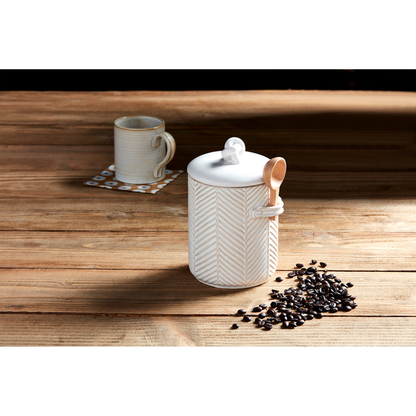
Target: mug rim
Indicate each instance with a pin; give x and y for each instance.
(139, 116)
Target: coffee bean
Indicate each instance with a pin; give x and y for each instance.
(235, 326)
(268, 326)
(279, 279)
(315, 293)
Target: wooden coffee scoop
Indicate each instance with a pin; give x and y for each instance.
(273, 174)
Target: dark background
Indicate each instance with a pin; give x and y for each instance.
(181, 80)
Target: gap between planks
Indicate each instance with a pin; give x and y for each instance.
(195, 315)
(170, 270)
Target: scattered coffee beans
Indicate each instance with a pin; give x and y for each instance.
(315, 293)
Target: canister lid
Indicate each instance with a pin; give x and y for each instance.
(232, 167)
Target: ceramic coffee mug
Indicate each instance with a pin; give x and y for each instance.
(142, 149)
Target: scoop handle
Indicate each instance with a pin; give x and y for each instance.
(273, 198)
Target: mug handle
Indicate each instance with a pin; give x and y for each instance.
(170, 151)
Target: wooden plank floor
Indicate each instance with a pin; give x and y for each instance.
(86, 266)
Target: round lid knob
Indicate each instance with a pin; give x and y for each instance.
(232, 167)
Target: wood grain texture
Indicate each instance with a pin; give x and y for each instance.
(177, 292)
(76, 161)
(183, 331)
(351, 250)
(307, 184)
(177, 107)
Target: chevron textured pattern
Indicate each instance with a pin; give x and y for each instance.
(257, 237)
(273, 245)
(227, 248)
(231, 236)
(203, 232)
(191, 224)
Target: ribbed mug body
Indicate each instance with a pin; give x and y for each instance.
(134, 156)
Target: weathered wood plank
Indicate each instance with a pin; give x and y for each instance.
(74, 330)
(177, 292)
(92, 250)
(74, 188)
(257, 134)
(207, 107)
(64, 161)
(345, 250)
(297, 184)
(163, 212)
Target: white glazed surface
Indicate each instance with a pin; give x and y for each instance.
(233, 167)
(140, 148)
(228, 247)
(212, 169)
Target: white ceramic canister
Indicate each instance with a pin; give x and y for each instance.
(232, 241)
